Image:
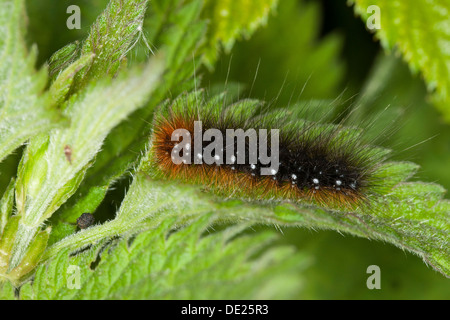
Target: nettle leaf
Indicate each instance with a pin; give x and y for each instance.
(421, 32)
(63, 58)
(231, 20)
(60, 88)
(111, 37)
(52, 167)
(172, 262)
(175, 29)
(115, 32)
(6, 291)
(6, 204)
(24, 110)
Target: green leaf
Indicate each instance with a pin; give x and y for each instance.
(6, 205)
(231, 20)
(62, 58)
(175, 28)
(63, 83)
(24, 109)
(53, 167)
(169, 262)
(32, 257)
(6, 244)
(110, 39)
(7, 291)
(421, 32)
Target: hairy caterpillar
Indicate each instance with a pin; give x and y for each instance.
(322, 164)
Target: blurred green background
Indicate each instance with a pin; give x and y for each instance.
(317, 50)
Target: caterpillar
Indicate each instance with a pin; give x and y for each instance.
(318, 163)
